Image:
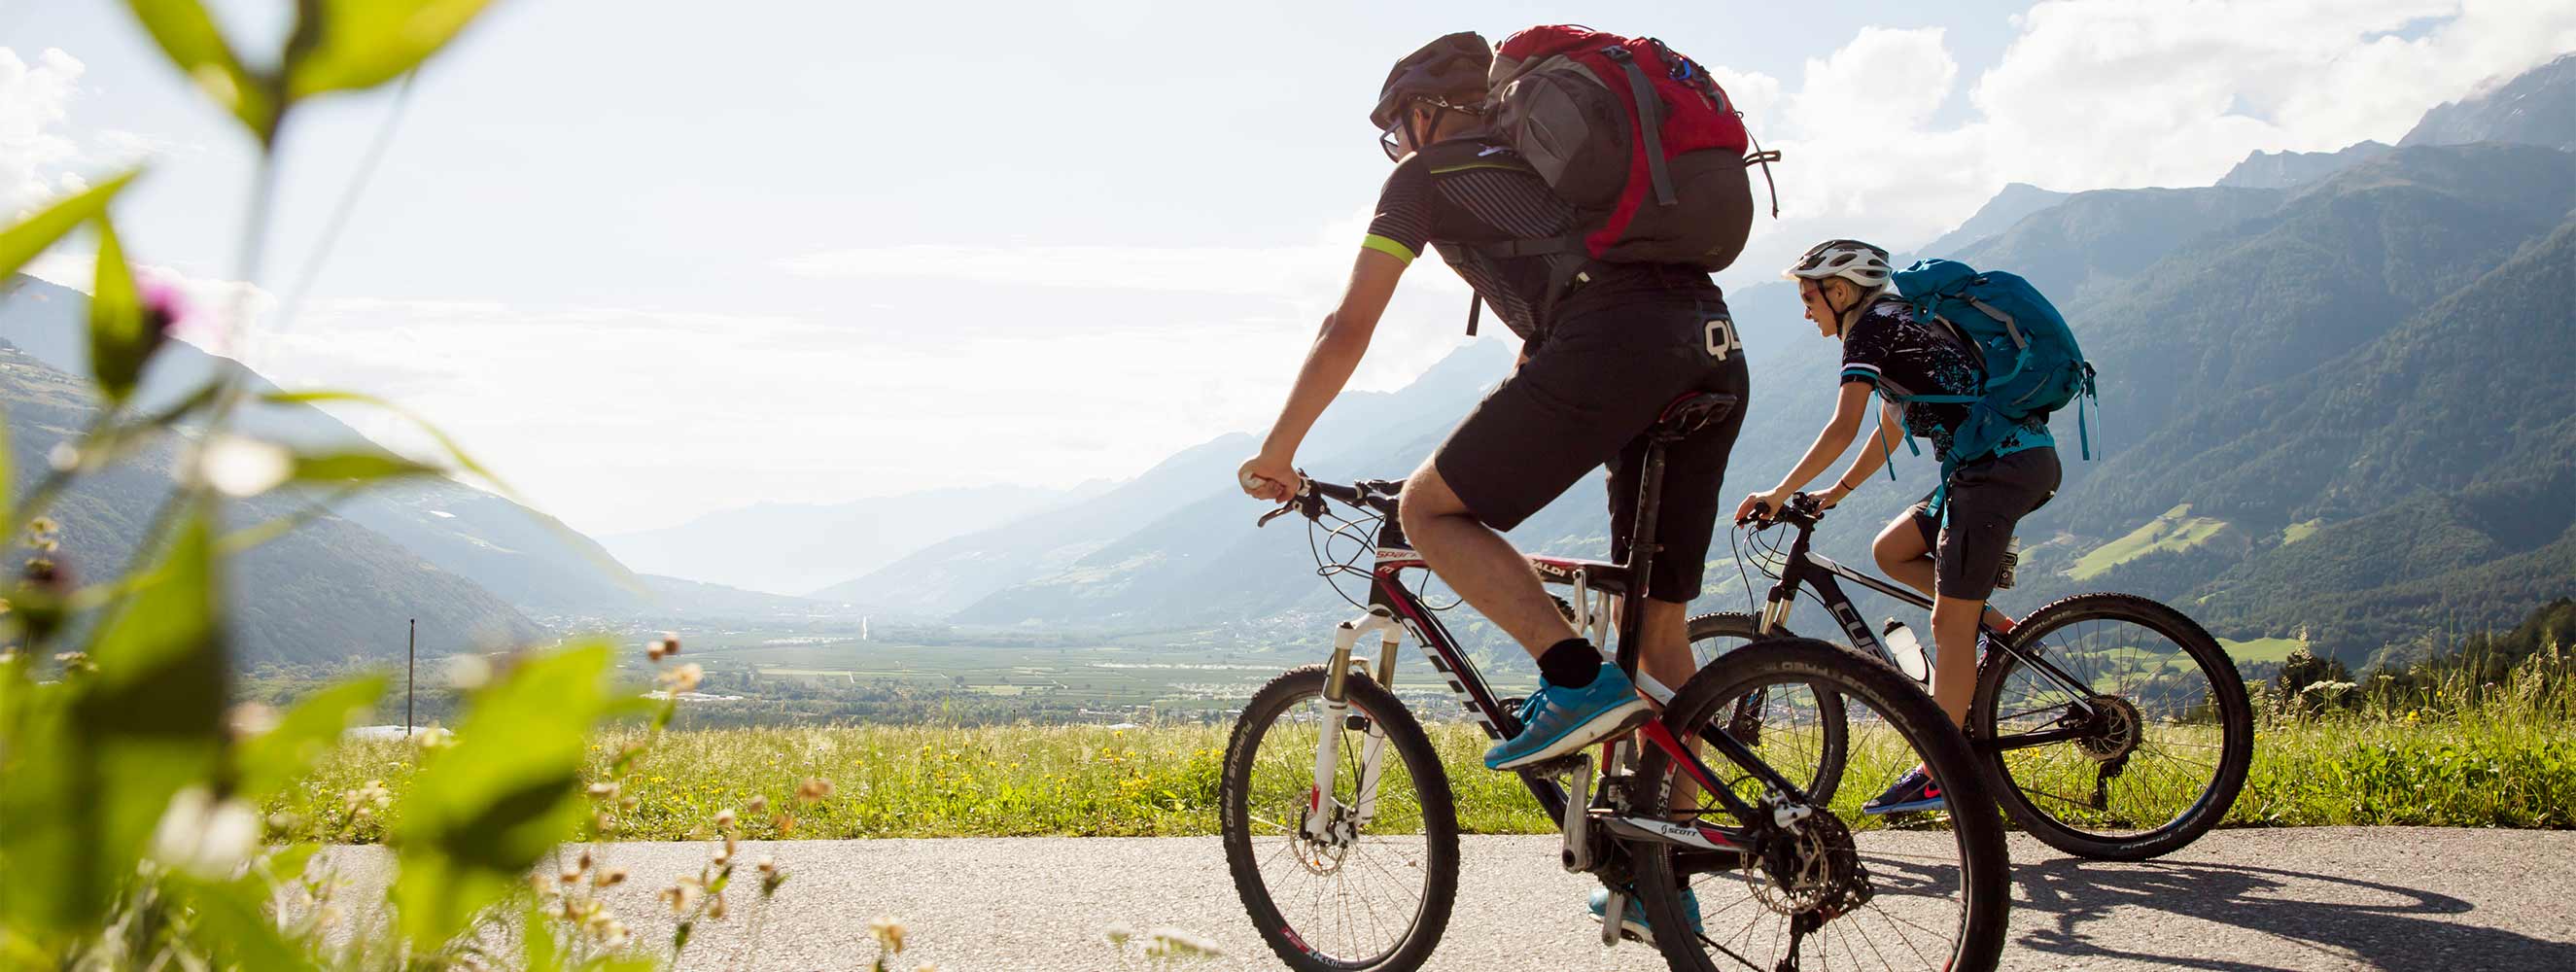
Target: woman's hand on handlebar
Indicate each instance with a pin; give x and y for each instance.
(1265, 477)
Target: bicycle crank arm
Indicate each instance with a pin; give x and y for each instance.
(1577, 855)
(1652, 831)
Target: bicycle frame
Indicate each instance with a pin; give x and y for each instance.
(1805, 567)
(1600, 589)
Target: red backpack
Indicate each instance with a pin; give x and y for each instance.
(1631, 131)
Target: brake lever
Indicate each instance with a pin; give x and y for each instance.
(1274, 514)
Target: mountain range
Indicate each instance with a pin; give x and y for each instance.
(2333, 408)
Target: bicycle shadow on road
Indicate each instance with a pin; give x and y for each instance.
(2340, 920)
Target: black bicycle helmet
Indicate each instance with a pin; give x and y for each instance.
(1450, 70)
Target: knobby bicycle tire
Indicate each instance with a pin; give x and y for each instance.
(2235, 751)
(1834, 751)
(1984, 863)
(1431, 786)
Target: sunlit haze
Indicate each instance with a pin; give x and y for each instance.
(654, 259)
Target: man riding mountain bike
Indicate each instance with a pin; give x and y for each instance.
(1606, 346)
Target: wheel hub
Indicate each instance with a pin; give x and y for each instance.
(1324, 856)
(2116, 729)
(1809, 869)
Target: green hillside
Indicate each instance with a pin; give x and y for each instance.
(328, 591)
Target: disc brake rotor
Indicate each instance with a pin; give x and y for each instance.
(2116, 731)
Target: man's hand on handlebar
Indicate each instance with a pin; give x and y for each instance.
(1264, 477)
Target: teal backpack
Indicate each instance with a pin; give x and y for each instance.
(2032, 365)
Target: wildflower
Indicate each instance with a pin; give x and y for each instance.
(684, 679)
(725, 819)
(433, 738)
(250, 719)
(608, 877)
(468, 671)
(204, 836)
(1173, 943)
(1117, 934)
(814, 789)
(682, 895)
(758, 804)
(889, 933)
(240, 466)
(366, 801)
(611, 934)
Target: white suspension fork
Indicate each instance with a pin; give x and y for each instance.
(1337, 707)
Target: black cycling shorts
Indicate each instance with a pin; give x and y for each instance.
(1987, 499)
(1608, 366)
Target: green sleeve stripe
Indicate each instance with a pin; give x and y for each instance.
(1506, 166)
(1388, 247)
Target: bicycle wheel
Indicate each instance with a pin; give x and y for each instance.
(1799, 729)
(1374, 894)
(2159, 756)
(1810, 891)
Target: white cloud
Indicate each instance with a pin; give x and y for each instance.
(2097, 94)
(34, 101)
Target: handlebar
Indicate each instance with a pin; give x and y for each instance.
(1803, 510)
(1377, 495)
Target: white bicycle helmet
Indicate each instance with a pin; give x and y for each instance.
(1851, 260)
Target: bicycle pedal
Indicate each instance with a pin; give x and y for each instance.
(1560, 766)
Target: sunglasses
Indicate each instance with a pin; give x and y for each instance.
(1388, 140)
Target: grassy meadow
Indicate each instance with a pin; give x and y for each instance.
(2499, 753)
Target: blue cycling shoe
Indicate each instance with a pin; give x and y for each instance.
(1914, 792)
(1558, 720)
(1632, 916)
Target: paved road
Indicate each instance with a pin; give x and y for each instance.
(2321, 898)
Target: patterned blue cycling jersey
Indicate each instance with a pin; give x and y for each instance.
(1887, 348)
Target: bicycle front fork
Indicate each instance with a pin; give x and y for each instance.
(1337, 717)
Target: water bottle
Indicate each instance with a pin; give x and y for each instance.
(2012, 561)
(1907, 650)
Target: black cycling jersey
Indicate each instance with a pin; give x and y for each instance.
(1886, 347)
(1478, 192)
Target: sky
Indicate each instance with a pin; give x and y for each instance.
(651, 259)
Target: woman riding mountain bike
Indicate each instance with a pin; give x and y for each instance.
(1951, 545)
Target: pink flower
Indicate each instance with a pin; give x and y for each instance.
(165, 305)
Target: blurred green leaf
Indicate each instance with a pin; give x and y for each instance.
(189, 37)
(98, 758)
(355, 44)
(487, 810)
(455, 453)
(274, 760)
(120, 339)
(233, 924)
(537, 938)
(360, 466)
(21, 243)
(36, 852)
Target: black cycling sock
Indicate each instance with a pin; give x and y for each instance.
(1571, 663)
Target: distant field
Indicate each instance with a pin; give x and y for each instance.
(2299, 531)
(2260, 649)
(2177, 529)
(2499, 766)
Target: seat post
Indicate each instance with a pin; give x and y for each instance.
(1642, 549)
